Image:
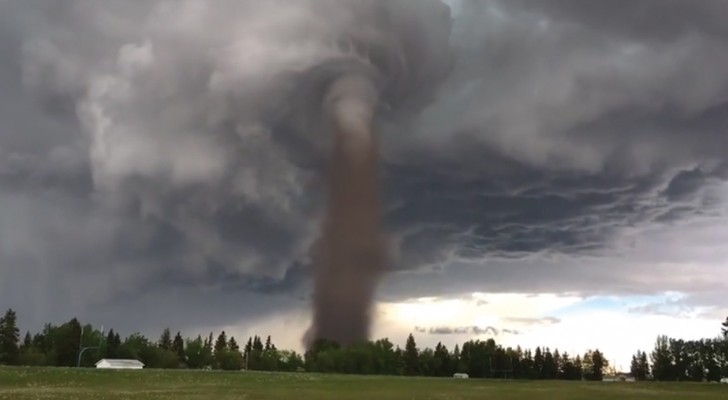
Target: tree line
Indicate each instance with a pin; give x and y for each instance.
(61, 345)
(683, 360)
(479, 359)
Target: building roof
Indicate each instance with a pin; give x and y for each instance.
(121, 363)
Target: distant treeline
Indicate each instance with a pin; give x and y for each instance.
(61, 345)
(683, 360)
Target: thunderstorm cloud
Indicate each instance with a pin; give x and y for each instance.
(155, 167)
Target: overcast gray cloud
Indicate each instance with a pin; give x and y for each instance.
(149, 159)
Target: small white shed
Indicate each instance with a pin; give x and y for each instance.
(723, 380)
(111, 363)
(460, 375)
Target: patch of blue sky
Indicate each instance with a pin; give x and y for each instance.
(615, 303)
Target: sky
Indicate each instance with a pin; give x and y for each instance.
(562, 184)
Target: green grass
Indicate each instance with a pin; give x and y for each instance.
(83, 384)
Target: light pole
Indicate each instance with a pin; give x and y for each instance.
(83, 349)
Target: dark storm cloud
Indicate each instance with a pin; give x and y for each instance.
(148, 158)
(637, 18)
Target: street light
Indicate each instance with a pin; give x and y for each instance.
(83, 349)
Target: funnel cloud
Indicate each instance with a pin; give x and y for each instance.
(386, 61)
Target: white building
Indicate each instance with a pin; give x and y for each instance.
(723, 380)
(110, 363)
(459, 375)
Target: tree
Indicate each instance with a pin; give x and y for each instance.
(290, 361)
(134, 346)
(66, 342)
(549, 365)
(538, 363)
(568, 369)
(111, 348)
(232, 344)
(197, 353)
(221, 343)
(178, 346)
(634, 366)
(9, 338)
(27, 341)
(229, 360)
(639, 368)
(661, 359)
(724, 328)
(599, 365)
(165, 341)
(411, 356)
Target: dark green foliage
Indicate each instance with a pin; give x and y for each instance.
(9, 339)
(662, 360)
(693, 360)
(221, 343)
(411, 357)
(593, 364)
(290, 361)
(165, 341)
(178, 346)
(672, 359)
(639, 368)
(198, 355)
(27, 341)
(229, 360)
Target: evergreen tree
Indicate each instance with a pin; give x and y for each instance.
(165, 341)
(255, 362)
(67, 339)
(599, 365)
(221, 343)
(568, 369)
(579, 368)
(455, 361)
(661, 359)
(411, 356)
(557, 365)
(27, 341)
(248, 351)
(549, 365)
(232, 344)
(112, 347)
(178, 346)
(268, 345)
(117, 340)
(441, 361)
(257, 345)
(538, 363)
(634, 366)
(643, 366)
(197, 353)
(9, 338)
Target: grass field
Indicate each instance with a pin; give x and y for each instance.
(86, 384)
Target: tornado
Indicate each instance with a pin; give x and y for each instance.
(351, 256)
(400, 50)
